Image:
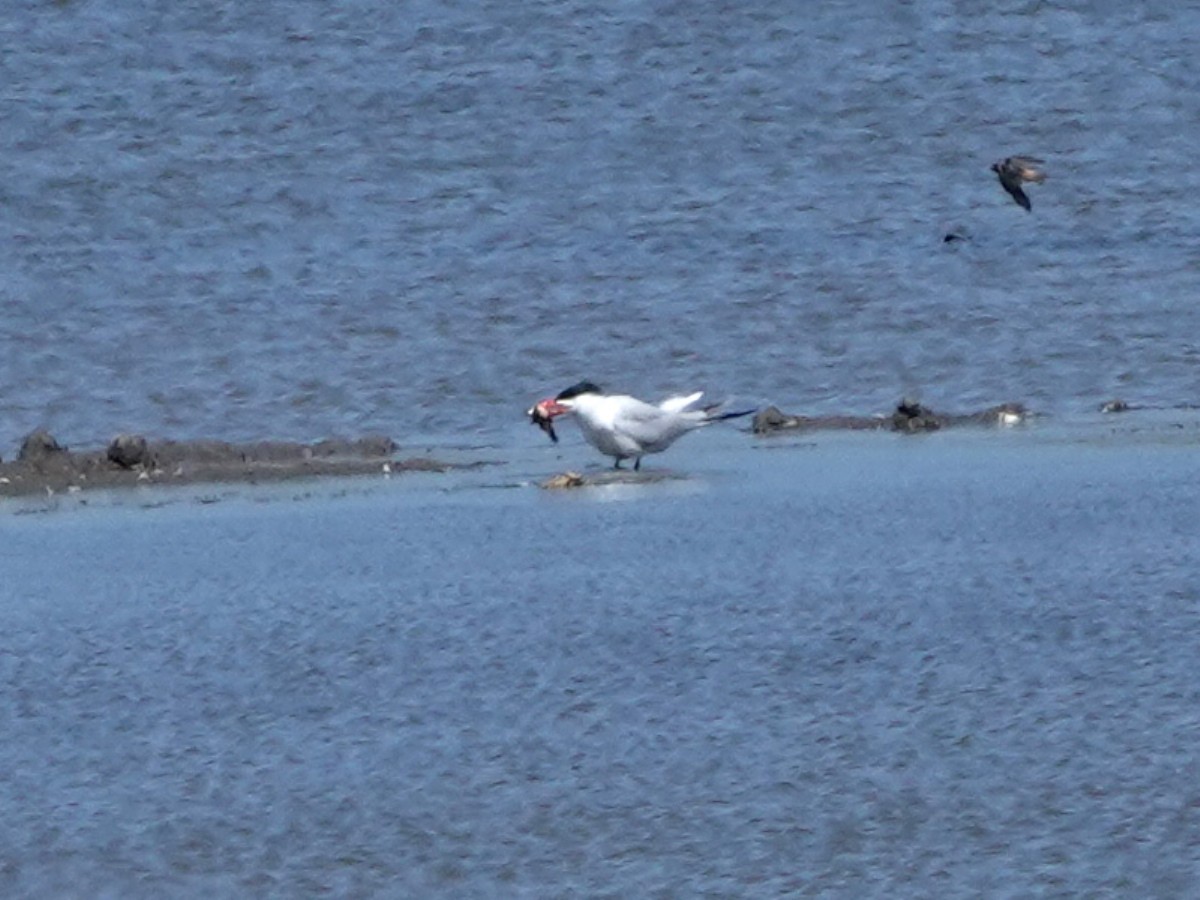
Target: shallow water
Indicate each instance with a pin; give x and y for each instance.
(850, 665)
(836, 665)
(297, 219)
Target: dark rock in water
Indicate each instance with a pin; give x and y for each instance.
(1115, 406)
(911, 416)
(38, 446)
(773, 419)
(128, 451)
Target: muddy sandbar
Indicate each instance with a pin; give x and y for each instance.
(43, 465)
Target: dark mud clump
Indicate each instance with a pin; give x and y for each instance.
(909, 417)
(129, 451)
(45, 466)
(38, 447)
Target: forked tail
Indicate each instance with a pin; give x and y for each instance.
(714, 416)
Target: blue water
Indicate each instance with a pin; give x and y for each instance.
(294, 219)
(862, 666)
(856, 665)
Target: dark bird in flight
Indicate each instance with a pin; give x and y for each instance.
(1014, 171)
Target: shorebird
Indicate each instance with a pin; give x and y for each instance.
(624, 427)
(1014, 171)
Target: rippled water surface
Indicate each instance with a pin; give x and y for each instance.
(855, 665)
(288, 219)
(868, 666)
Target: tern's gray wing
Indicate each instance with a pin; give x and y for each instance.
(647, 425)
(643, 415)
(655, 429)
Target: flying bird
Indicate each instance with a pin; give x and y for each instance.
(624, 427)
(1014, 171)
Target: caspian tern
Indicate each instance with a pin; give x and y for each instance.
(624, 427)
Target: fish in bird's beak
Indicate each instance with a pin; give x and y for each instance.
(542, 415)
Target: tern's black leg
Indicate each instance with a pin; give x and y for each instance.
(637, 464)
(617, 463)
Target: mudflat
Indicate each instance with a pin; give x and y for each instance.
(43, 465)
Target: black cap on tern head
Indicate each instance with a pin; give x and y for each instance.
(584, 387)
